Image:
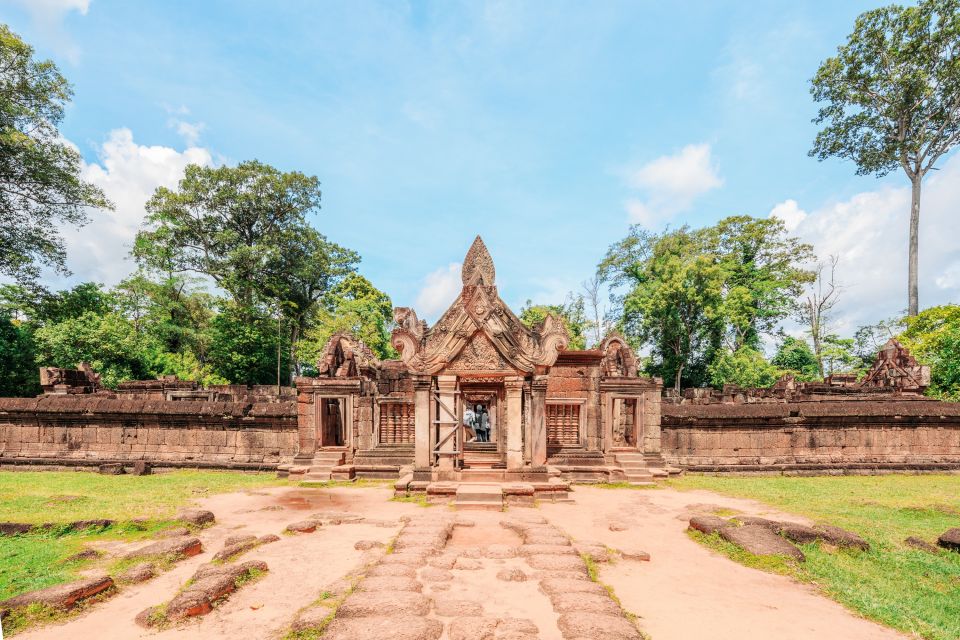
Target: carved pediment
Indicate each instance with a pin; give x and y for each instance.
(618, 358)
(477, 324)
(346, 357)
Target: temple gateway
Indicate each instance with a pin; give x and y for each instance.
(481, 397)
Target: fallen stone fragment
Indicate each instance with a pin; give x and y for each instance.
(454, 608)
(209, 584)
(142, 468)
(413, 559)
(172, 533)
(311, 618)
(149, 617)
(707, 524)
(551, 586)
(950, 539)
(234, 550)
(229, 541)
(196, 517)
(397, 627)
(760, 541)
(467, 564)
(389, 583)
(111, 469)
(366, 545)
(841, 537)
(799, 533)
(921, 544)
(86, 554)
(618, 525)
(138, 573)
(304, 526)
(511, 575)
(557, 563)
(14, 528)
(267, 539)
(362, 604)
(61, 596)
(597, 625)
(595, 551)
(585, 602)
(172, 548)
(634, 554)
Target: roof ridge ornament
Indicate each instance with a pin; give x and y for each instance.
(478, 266)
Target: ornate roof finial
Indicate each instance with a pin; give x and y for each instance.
(478, 265)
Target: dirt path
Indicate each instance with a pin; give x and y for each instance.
(689, 592)
(454, 574)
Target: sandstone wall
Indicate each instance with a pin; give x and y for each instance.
(72, 430)
(813, 437)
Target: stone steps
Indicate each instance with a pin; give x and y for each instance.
(471, 495)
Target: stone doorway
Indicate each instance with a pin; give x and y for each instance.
(332, 421)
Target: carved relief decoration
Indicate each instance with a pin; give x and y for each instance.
(345, 356)
(618, 358)
(478, 316)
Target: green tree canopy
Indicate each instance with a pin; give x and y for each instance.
(746, 367)
(41, 187)
(572, 313)
(933, 337)
(228, 223)
(795, 356)
(891, 98)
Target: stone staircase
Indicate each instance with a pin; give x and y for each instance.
(477, 495)
(635, 468)
(322, 466)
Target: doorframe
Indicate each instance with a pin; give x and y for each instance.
(347, 416)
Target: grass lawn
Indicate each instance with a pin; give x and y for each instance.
(906, 589)
(37, 560)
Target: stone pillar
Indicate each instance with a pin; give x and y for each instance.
(651, 421)
(514, 392)
(421, 422)
(448, 421)
(538, 421)
(306, 426)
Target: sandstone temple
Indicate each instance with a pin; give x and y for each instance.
(481, 398)
(551, 412)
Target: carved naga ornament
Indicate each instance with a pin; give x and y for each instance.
(478, 332)
(618, 358)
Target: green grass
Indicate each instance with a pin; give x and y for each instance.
(36, 560)
(906, 589)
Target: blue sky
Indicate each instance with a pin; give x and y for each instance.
(546, 127)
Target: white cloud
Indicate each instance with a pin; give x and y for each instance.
(790, 213)
(440, 289)
(128, 173)
(189, 131)
(869, 234)
(48, 15)
(670, 184)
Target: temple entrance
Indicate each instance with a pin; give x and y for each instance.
(481, 412)
(333, 421)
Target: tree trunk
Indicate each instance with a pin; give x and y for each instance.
(913, 293)
(676, 381)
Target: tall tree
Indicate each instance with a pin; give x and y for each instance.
(306, 268)
(815, 310)
(762, 275)
(227, 223)
(891, 98)
(41, 187)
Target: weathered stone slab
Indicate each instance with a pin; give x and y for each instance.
(557, 563)
(174, 548)
(209, 584)
(525, 550)
(392, 570)
(597, 625)
(551, 586)
(62, 596)
(138, 573)
(488, 628)
(707, 524)
(585, 602)
(196, 517)
(395, 627)
(950, 539)
(761, 541)
(303, 526)
(456, 608)
(361, 604)
(389, 583)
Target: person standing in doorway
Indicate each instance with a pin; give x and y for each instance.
(469, 424)
(483, 421)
